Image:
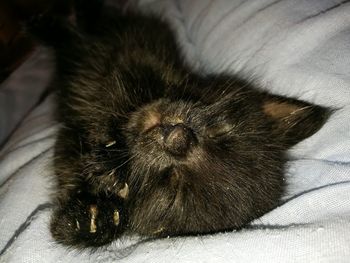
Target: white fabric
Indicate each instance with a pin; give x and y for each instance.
(299, 48)
(22, 90)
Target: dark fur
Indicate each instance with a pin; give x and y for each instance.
(200, 154)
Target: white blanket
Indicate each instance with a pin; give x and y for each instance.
(298, 48)
(20, 92)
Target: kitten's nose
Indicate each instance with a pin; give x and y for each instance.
(177, 139)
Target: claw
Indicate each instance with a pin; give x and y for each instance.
(77, 224)
(116, 218)
(109, 144)
(160, 230)
(123, 193)
(93, 213)
(112, 172)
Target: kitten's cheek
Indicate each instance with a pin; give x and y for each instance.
(152, 139)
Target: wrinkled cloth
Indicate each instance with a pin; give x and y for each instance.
(22, 90)
(294, 48)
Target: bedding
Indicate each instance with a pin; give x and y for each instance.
(295, 48)
(21, 91)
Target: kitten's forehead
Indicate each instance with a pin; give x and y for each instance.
(161, 112)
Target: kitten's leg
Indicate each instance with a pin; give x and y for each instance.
(89, 209)
(87, 220)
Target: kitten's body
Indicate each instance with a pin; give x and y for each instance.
(149, 147)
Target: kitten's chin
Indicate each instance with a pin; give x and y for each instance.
(180, 209)
(178, 218)
(189, 198)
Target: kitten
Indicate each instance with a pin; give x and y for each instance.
(148, 146)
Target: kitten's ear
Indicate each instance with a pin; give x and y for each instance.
(59, 23)
(63, 22)
(51, 30)
(87, 12)
(293, 120)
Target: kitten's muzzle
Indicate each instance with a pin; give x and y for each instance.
(177, 139)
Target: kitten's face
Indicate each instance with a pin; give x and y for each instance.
(199, 168)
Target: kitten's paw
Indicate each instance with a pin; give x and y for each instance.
(85, 222)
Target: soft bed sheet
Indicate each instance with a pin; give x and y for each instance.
(294, 48)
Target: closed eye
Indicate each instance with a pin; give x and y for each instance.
(151, 121)
(218, 130)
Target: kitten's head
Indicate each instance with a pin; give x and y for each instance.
(211, 162)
